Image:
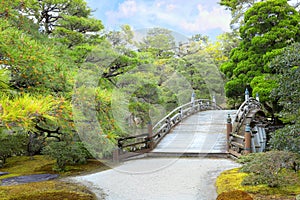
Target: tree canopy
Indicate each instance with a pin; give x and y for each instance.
(62, 73)
(269, 27)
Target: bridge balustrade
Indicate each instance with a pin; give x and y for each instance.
(250, 118)
(247, 133)
(142, 143)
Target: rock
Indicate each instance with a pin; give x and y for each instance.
(28, 179)
(3, 173)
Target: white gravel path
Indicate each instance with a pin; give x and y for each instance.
(158, 179)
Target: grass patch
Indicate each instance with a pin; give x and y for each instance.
(55, 189)
(232, 180)
(24, 165)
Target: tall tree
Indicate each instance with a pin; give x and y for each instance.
(122, 38)
(39, 77)
(159, 42)
(287, 68)
(269, 27)
(68, 21)
(239, 7)
(65, 15)
(32, 64)
(227, 42)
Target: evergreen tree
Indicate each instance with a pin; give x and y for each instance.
(269, 27)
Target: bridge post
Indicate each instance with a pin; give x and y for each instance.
(247, 94)
(150, 135)
(200, 105)
(229, 130)
(181, 113)
(247, 139)
(214, 102)
(193, 99)
(116, 155)
(257, 97)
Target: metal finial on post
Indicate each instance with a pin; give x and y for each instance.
(229, 118)
(214, 101)
(257, 97)
(247, 94)
(193, 98)
(180, 113)
(229, 130)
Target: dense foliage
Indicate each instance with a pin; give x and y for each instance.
(287, 68)
(63, 78)
(286, 65)
(272, 168)
(266, 61)
(37, 71)
(263, 35)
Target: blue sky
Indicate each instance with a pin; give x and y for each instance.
(186, 17)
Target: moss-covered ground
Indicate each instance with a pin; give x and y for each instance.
(231, 180)
(54, 189)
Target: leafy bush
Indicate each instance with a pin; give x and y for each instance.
(25, 110)
(11, 144)
(287, 138)
(274, 168)
(250, 157)
(66, 153)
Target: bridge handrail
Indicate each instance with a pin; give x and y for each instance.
(249, 113)
(243, 111)
(178, 109)
(162, 127)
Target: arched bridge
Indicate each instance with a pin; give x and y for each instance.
(200, 128)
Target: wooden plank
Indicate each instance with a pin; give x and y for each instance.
(237, 144)
(127, 155)
(134, 136)
(234, 153)
(134, 144)
(238, 136)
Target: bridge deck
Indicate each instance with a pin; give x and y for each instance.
(203, 132)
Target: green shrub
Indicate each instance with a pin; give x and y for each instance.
(66, 153)
(274, 168)
(287, 138)
(12, 144)
(249, 158)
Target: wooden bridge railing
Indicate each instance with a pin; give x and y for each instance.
(248, 132)
(138, 144)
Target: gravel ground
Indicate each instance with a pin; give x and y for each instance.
(158, 179)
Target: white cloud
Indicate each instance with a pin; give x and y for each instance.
(129, 8)
(188, 17)
(171, 7)
(125, 10)
(208, 19)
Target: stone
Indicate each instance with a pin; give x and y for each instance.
(3, 173)
(28, 179)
